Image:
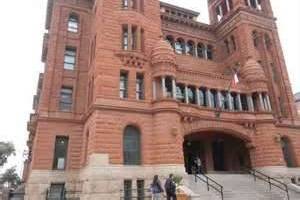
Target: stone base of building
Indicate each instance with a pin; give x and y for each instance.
(98, 180)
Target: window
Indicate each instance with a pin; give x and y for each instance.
(287, 151)
(127, 189)
(219, 11)
(132, 146)
(268, 42)
(140, 87)
(170, 40)
(244, 102)
(73, 23)
(180, 46)
(235, 102)
(66, 99)
(125, 4)
(213, 98)
(191, 95)
(256, 4)
(123, 85)
(180, 94)
(202, 96)
(140, 189)
(56, 191)
(224, 101)
(201, 50)
(70, 58)
(125, 38)
(190, 48)
(134, 38)
(210, 52)
(60, 152)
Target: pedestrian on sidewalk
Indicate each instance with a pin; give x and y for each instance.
(170, 188)
(156, 188)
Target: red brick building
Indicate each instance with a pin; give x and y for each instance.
(133, 88)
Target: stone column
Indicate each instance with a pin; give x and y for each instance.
(257, 4)
(174, 88)
(208, 100)
(205, 52)
(130, 42)
(250, 102)
(219, 103)
(139, 39)
(249, 3)
(229, 99)
(238, 96)
(186, 94)
(261, 102)
(154, 89)
(269, 102)
(163, 87)
(228, 5)
(198, 96)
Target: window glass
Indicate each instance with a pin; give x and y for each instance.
(131, 146)
(70, 58)
(123, 85)
(125, 38)
(140, 86)
(60, 152)
(73, 24)
(66, 99)
(56, 191)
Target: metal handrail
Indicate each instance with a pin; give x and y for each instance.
(282, 186)
(217, 187)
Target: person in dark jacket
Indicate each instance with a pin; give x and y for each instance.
(170, 188)
(156, 188)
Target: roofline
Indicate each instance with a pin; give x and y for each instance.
(196, 14)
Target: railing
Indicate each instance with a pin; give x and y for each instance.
(210, 183)
(132, 194)
(271, 181)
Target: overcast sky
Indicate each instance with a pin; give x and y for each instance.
(22, 28)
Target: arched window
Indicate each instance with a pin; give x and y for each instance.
(287, 152)
(190, 48)
(132, 146)
(170, 39)
(255, 38)
(209, 52)
(201, 50)
(180, 46)
(267, 40)
(73, 23)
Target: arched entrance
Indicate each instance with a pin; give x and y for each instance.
(218, 152)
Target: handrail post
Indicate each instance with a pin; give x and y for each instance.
(287, 192)
(207, 183)
(269, 180)
(254, 175)
(222, 195)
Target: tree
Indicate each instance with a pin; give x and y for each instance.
(6, 149)
(11, 178)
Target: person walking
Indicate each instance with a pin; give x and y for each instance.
(170, 188)
(156, 188)
(198, 164)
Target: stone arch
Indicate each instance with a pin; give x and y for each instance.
(226, 128)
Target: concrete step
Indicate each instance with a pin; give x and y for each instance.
(236, 187)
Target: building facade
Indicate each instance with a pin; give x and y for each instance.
(297, 101)
(134, 88)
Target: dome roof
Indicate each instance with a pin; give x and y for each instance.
(252, 71)
(162, 52)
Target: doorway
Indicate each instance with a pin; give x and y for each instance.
(218, 155)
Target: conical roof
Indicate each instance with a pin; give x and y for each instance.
(252, 71)
(162, 52)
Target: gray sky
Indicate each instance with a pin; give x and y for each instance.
(22, 28)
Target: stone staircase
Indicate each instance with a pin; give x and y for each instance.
(236, 187)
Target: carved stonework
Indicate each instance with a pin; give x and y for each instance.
(132, 59)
